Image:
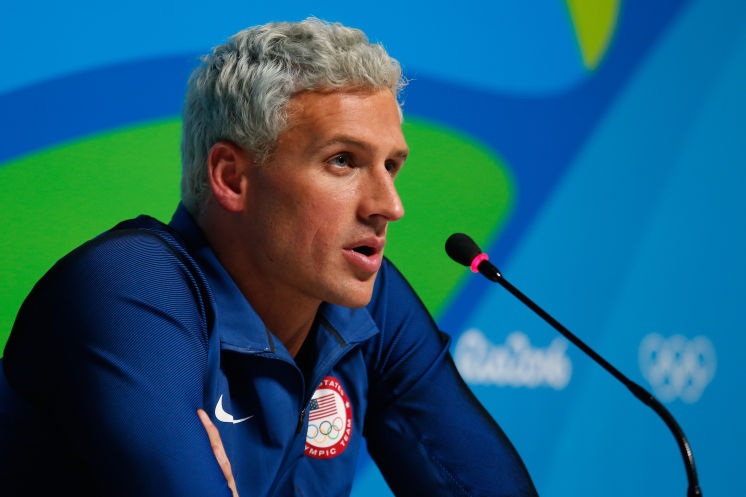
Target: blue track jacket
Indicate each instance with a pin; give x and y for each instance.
(126, 337)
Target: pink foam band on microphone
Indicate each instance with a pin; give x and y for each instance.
(475, 263)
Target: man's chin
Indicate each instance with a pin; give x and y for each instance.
(354, 298)
(353, 303)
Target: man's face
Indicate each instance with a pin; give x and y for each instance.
(317, 211)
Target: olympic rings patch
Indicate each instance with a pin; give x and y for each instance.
(329, 420)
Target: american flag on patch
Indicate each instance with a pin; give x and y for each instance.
(324, 406)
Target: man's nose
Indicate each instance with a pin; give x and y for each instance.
(380, 197)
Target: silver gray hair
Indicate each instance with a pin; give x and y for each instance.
(240, 91)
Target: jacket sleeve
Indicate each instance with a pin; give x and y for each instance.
(425, 430)
(111, 348)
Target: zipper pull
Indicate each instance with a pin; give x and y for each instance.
(300, 420)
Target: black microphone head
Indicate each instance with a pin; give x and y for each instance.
(462, 249)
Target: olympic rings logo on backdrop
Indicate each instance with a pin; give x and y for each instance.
(329, 420)
(677, 367)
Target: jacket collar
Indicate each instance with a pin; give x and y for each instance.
(239, 326)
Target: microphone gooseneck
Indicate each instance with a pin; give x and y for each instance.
(462, 249)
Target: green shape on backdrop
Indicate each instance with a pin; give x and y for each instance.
(450, 183)
(54, 200)
(595, 22)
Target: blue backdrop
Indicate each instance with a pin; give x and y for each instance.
(622, 124)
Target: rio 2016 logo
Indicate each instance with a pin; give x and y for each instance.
(516, 363)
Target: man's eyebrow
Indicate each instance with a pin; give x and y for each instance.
(351, 141)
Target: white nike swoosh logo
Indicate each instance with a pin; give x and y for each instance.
(223, 416)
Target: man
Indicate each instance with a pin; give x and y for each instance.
(265, 304)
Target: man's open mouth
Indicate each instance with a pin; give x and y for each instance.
(365, 250)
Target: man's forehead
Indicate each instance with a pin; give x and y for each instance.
(350, 116)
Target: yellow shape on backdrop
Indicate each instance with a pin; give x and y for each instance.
(595, 22)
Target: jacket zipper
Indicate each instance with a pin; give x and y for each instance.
(300, 421)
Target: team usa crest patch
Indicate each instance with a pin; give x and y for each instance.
(329, 420)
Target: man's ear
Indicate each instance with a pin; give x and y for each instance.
(226, 168)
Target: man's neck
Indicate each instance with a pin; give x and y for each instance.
(290, 320)
(287, 315)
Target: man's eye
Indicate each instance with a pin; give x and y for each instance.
(341, 160)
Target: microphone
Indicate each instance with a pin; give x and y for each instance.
(462, 249)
